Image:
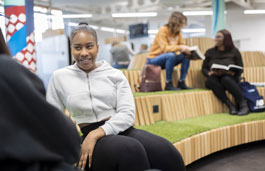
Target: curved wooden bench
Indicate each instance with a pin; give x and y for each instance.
(250, 59)
(203, 144)
(177, 106)
(195, 78)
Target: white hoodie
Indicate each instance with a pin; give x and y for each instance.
(92, 97)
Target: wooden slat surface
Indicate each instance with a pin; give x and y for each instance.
(203, 144)
(180, 106)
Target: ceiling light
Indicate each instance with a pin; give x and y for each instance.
(120, 31)
(143, 14)
(108, 29)
(254, 12)
(72, 24)
(40, 9)
(152, 31)
(56, 12)
(200, 30)
(190, 13)
(77, 16)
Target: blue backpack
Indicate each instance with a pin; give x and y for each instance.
(251, 94)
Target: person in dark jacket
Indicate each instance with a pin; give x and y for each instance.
(35, 135)
(225, 53)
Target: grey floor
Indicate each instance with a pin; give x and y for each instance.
(247, 157)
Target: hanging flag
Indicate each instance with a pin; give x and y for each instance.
(20, 31)
(218, 17)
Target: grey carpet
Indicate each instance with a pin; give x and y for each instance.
(247, 157)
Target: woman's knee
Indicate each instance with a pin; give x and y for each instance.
(211, 83)
(227, 80)
(171, 56)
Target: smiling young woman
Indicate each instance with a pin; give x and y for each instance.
(99, 98)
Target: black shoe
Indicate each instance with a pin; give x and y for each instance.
(169, 86)
(231, 107)
(182, 85)
(243, 108)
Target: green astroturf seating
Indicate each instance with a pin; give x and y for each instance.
(198, 137)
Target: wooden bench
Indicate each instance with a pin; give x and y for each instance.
(177, 106)
(250, 59)
(203, 144)
(195, 78)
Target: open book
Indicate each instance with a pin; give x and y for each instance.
(230, 67)
(195, 53)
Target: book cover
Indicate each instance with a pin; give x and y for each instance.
(230, 67)
(195, 53)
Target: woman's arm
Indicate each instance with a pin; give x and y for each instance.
(125, 108)
(205, 66)
(238, 61)
(53, 96)
(122, 120)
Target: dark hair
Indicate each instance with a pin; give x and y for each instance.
(176, 19)
(228, 41)
(3, 46)
(83, 26)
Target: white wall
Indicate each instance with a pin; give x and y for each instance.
(249, 30)
(104, 49)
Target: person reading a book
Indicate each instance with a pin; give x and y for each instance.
(100, 99)
(223, 66)
(168, 50)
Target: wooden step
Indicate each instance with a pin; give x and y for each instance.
(178, 106)
(250, 59)
(203, 144)
(195, 78)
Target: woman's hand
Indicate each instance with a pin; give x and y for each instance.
(88, 147)
(185, 49)
(230, 73)
(221, 72)
(211, 73)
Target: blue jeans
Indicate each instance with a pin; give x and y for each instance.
(168, 61)
(119, 66)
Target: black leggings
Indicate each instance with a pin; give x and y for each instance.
(218, 84)
(133, 150)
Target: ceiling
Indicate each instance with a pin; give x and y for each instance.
(102, 9)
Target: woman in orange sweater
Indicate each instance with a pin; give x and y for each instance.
(168, 50)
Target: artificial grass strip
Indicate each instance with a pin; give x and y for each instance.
(137, 94)
(175, 131)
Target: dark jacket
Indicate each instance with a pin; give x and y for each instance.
(213, 55)
(34, 134)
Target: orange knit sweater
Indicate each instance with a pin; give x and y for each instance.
(165, 42)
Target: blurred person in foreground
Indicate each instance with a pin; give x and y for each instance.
(35, 135)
